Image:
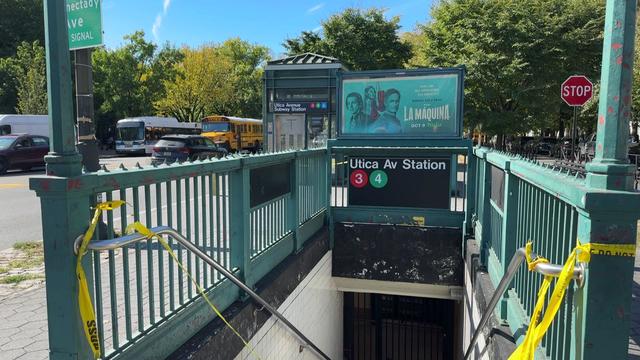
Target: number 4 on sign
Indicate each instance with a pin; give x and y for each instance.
(379, 179)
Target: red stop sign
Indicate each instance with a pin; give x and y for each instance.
(576, 90)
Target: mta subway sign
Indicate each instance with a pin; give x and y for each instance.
(576, 90)
(400, 182)
(84, 19)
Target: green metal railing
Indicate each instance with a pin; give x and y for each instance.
(519, 200)
(141, 296)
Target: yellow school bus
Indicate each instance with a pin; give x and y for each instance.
(233, 133)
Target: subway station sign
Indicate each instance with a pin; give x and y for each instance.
(400, 182)
(299, 107)
(84, 20)
(424, 103)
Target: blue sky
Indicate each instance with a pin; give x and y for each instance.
(196, 22)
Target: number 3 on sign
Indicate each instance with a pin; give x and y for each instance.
(359, 179)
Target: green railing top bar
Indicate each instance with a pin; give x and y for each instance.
(137, 176)
(569, 188)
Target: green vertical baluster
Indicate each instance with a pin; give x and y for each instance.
(169, 196)
(97, 271)
(196, 224)
(187, 206)
(150, 276)
(139, 300)
(112, 279)
(211, 225)
(225, 229)
(219, 235)
(159, 222)
(125, 267)
(180, 228)
(203, 184)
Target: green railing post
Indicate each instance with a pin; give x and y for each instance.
(240, 238)
(603, 305)
(470, 204)
(509, 223)
(293, 212)
(610, 168)
(485, 202)
(64, 197)
(602, 315)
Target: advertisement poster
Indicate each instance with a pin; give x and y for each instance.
(411, 106)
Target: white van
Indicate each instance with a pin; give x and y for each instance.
(24, 124)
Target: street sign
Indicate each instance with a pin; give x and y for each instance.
(400, 182)
(576, 90)
(84, 20)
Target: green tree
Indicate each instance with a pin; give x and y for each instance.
(31, 79)
(128, 80)
(204, 78)
(21, 20)
(247, 59)
(361, 39)
(220, 79)
(517, 54)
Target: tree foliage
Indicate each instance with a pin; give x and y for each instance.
(21, 20)
(517, 54)
(31, 79)
(128, 80)
(361, 39)
(220, 79)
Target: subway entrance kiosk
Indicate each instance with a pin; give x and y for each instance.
(399, 173)
(299, 108)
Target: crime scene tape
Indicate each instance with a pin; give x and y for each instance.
(84, 298)
(139, 227)
(581, 253)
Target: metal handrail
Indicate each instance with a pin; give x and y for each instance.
(546, 269)
(122, 241)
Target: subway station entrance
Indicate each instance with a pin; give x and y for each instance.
(384, 327)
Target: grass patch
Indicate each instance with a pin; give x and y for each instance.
(14, 279)
(4, 270)
(34, 252)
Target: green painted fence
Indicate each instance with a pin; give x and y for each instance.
(143, 300)
(519, 200)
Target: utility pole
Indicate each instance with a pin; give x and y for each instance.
(87, 143)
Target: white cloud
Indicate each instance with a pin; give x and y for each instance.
(155, 29)
(317, 29)
(315, 8)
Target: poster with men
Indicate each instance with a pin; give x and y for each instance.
(413, 104)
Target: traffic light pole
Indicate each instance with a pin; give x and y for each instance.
(87, 143)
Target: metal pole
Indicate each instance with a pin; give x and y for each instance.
(87, 143)
(573, 133)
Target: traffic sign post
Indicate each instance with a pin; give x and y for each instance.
(576, 91)
(84, 21)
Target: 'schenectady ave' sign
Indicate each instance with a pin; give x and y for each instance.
(84, 19)
(576, 90)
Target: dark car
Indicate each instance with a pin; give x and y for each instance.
(172, 148)
(22, 151)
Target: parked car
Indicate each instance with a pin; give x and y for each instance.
(172, 148)
(19, 151)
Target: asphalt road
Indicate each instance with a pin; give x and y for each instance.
(20, 218)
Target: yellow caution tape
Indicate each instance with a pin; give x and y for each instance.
(581, 253)
(137, 226)
(84, 298)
